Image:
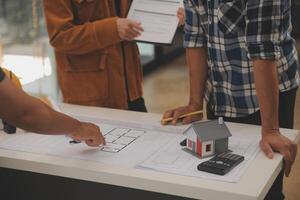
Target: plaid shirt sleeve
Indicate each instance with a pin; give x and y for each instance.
(264, 28)
(194, 34)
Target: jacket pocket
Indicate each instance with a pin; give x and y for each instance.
(85, 79)
(231, 16)
(85, 88)
(85, 84)
(90, 62)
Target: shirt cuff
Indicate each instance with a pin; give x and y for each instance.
(265, 50)
(194, 41)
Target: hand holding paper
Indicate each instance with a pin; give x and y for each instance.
(181, 16)
(129, 29)
(158, 18)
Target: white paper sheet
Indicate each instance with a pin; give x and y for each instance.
(158, 18)
(125, 146)
(172, 159)
(136, 147)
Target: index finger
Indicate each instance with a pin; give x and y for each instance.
(180, 10)
(167, 114)
(293, 150)
(288, 162)
(137, 26)
(177, 115)
(103, 141)
(193, 118)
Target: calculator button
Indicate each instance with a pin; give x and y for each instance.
(220, 162)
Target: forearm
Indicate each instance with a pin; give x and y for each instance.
(197, 64)
(40, 118)
(29, 113)
(266, 83)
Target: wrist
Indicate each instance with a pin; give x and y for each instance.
(265, 131)
(196, 102)
(196, 106)
(270, 125)
(77, 128)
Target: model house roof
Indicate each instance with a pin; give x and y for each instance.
(211, 130)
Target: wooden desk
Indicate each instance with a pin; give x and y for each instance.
(253, 185)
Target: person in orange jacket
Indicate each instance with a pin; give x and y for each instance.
(98, 61)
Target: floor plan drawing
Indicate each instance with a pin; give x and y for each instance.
(119, 138)
(138, 147)
(124, 144)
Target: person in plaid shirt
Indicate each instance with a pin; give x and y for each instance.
(243, 61)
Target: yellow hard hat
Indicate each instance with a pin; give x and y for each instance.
(9, 74)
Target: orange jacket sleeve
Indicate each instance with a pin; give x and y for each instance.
(69, 38)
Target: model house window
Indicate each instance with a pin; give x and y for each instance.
(208, 147)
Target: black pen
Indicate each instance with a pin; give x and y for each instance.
(74, 142)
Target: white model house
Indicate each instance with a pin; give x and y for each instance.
(207, 138)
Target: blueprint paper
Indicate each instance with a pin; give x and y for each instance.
(125, 146)
(172, 159)
(141, 148)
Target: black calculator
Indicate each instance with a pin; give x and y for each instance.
(221, 164)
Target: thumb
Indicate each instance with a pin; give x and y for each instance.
(267, 149)
(75, 137)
